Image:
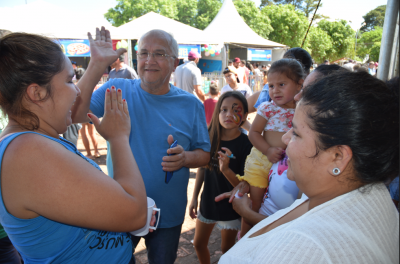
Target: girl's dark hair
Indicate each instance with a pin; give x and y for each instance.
(357, 110)
(215, 128)
(302, 56)
(290, 67)
(26, 59)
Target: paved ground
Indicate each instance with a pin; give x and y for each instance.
(186, 252)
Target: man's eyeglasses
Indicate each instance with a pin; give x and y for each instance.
(159, 56)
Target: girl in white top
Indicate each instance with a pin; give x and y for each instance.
(285, 79)
(341, 150)
(233, 84)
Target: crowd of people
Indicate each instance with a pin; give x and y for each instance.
(306, 182)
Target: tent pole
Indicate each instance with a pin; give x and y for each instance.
(226, 59)
(130, 53)
(389, 27)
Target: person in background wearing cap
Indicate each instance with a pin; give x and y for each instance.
(188, 76)
(239, 70)
(233, 84)
(121, 70)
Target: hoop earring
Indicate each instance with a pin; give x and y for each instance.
(336, 171)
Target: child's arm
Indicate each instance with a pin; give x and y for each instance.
(224, 167)
(256, 138)
(197, 187)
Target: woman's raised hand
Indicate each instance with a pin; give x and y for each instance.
(101, 50)
(116, 122)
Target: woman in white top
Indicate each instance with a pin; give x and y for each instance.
(343, 146)
(233, 84)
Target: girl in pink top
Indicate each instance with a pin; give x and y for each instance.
(274, 118)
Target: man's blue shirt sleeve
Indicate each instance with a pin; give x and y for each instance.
(200, 137)
(264, 96)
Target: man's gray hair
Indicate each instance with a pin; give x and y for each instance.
(172, 43)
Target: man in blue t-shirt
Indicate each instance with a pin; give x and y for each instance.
(160, 114)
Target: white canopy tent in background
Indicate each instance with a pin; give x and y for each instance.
(230, 26)
(50, 20)
(183, 34)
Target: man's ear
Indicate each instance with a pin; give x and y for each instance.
(341, 157)
(176, 63)
(35, 92)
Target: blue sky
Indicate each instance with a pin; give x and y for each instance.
(350, 10)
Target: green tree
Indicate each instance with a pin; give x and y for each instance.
(259, 23)
(187, 11)
(296, 3)
(370, 43)
(318, 44)
(289, 25)
(206, 12)
(374, 18)
(306, 6)
(128, 10)
(341, 34)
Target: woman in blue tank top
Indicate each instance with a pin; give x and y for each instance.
(56, 205)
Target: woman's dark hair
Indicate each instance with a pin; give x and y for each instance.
(79, 73)
(302, 56)
(26, 59)
(326, 70)
(360, 111)
(290, 67)
(393, 85)
(215, 128)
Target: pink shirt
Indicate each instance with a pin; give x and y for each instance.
(279, 119)
(209, 106)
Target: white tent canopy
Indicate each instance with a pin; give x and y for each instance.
(183, 34)
(229, 26)
(50, 20)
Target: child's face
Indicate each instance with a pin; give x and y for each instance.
(230, 78)
(231, 113)
(282, 89)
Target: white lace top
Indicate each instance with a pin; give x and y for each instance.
(352, 228)
(279, 119)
